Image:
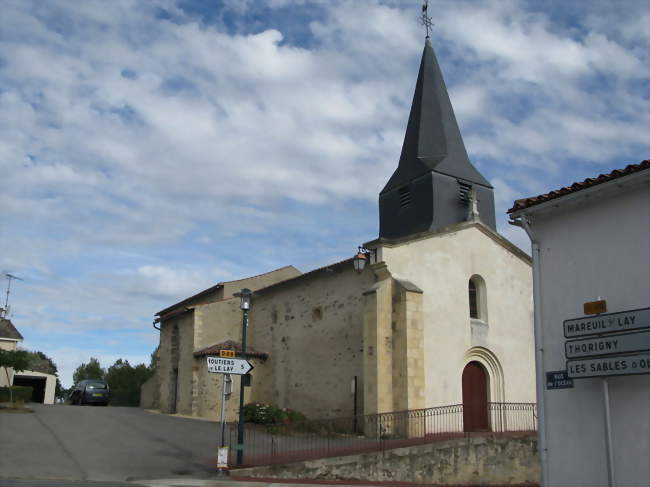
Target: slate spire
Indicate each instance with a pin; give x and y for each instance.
(433, 149)
(432, 141)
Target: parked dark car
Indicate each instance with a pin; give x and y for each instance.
(90, 391)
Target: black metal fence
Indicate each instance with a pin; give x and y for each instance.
(311, 439)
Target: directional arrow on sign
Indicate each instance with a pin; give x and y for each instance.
(222, 365)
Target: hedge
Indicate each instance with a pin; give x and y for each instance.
(19, 392)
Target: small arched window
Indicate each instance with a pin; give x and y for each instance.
(477, 295)
(473, 300)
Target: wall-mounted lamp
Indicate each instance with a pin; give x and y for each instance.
(362, 259)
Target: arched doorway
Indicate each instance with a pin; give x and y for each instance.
(475, 398)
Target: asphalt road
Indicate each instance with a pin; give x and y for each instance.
(104, 444)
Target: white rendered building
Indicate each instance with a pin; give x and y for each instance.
(44, 385)
(591, 242)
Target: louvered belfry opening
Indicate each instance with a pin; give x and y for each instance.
(404, 196)
(464, 190)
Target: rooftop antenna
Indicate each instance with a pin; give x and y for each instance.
(425, 19)
(9, 277)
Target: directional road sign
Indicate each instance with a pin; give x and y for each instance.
(635, 319)
(604, 366)
(221, 365)
(608, 345)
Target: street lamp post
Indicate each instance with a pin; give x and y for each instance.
(245, 305)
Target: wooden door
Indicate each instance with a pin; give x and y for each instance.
(475, 398)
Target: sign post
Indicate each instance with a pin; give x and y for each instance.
(608, 435)
(226, 392)
(222, 455)
(226, 364)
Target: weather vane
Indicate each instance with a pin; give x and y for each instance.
(425, 19)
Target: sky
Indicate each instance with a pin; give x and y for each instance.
(149, 150)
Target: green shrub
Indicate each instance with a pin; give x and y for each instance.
(19, 392)
(269, 414)
(295, 416)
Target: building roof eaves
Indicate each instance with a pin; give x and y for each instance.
(216, 287)
(526, 203)
(327, 268)
(262, 274)
(454, 227)
(173, 313)
(187, 300)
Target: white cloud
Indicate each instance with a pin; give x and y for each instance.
(518, 237)
(140, 157)
(169, 283)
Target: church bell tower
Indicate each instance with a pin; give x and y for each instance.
(434, 183)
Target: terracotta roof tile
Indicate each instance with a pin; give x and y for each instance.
(587, 183)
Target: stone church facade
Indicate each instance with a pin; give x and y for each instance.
(442, 313)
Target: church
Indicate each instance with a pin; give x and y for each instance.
(436, 311)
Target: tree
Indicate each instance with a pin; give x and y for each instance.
(125, 381)
(39, 362)
(91, 370)
(13, 359)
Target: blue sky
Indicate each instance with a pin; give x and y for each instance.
(149, 150)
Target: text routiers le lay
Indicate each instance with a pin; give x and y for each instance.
(237, 366)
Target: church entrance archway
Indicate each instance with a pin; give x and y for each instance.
(475, 398)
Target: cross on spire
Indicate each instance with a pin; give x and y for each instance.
(425, 19)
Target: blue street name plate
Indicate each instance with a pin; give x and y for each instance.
(558, 379)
